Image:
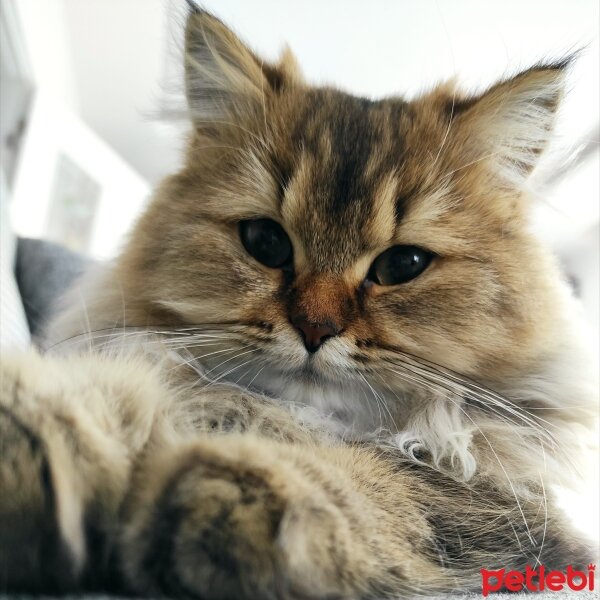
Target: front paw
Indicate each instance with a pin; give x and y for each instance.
(235, 520)
(41, 543)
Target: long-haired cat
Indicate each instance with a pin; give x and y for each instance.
(331, 361)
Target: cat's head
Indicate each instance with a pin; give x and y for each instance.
(328, 229)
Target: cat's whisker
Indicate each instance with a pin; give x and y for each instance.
(157, 337)
(544, 436)
(444, 385)
(240, 377)
(252, 349)
(474, 390)
(380, 377)
(86, 317)
(490, 445)
(193, 339)
(482, 398)
(198, 358)
(478, 392)
(377, 399)
(447, 176)
(234, 368)
(114, 332)
(86, 338)
(447, 130)
(180, 347)
(249, 384)
(544, 501)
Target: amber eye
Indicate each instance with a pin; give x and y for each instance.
(399, 265)
(267, 242)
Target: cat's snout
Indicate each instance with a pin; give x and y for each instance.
(314, 334)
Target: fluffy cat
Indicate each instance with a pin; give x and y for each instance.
(331, 361)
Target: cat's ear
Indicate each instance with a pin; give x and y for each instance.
(225, 80)
(509, 125)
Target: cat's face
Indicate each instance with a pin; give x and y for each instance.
(328, 229)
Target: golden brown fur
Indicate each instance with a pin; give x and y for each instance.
(203, 453)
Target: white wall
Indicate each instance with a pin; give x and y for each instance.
(57, 125)
(385, 46)
(47, 38)
(119, 55)
(54, 130)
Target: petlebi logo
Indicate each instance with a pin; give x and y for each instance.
(537, 580)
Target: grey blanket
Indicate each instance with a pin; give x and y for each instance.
(44, 270)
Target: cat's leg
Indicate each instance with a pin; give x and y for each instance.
(240, 516)
(70, 431)
(94, 465)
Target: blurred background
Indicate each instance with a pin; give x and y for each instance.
(85, 85)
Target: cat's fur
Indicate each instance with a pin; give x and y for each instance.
(202, 453)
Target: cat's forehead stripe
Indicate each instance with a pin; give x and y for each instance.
(345, 183)
(355, 142)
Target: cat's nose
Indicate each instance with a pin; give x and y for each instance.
(314, 334)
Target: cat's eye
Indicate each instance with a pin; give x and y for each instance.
(399, 264)
(267, 242)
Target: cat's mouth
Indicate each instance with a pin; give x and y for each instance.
(236, 357)
(312, 370)
(311, 373)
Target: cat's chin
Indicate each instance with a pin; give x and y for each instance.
(327, 383)
(272, 379)
(348, 405)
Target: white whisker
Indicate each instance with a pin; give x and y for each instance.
(500, 463)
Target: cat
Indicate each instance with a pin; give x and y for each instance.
(330, 362)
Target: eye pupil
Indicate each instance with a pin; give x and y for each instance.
(267, 242)
(399, 265)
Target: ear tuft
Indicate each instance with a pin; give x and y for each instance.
(223, 77)
(289, 67)
(512, 122)
(225, 81)
(192, 7)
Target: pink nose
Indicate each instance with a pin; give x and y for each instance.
(314, 334)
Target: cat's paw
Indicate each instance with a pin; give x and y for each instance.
(233, 521)
(68, 431)
(41, 541)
